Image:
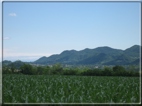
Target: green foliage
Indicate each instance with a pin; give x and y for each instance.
(47, 70)
(101, 55)
(26, 69)
(133, 51)
(12, 68)
(6, 70)
(107, 71)
(57, 69)
(94, 72)
(70, 72)
(70, 89)
(119, 70)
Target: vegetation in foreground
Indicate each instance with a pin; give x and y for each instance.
(70, 89)
(25, 83)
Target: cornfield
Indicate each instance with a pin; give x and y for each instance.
(70, 89)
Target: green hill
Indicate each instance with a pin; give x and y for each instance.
(101, 55)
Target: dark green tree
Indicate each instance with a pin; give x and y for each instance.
(119, 70)
(107, 71)
(12, 68)
(40, 70)
(48, 70)
(70, 71)
(6, 70)
(57, 69)
(26, 69)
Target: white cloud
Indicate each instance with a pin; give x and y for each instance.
(6, 38)
(13, 14)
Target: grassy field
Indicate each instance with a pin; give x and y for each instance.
(70, 89)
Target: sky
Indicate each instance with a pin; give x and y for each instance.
(35, 29)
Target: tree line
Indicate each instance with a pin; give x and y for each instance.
(57, 69)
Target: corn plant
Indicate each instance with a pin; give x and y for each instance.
(70, 89)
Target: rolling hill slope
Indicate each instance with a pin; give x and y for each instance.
(101, 55)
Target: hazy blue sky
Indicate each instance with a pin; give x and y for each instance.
(35, 29)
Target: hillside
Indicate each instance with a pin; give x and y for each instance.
(101, 55)
(17, 64)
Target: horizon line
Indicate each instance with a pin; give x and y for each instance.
(31, 60)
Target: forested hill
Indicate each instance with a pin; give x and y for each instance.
(101, 55)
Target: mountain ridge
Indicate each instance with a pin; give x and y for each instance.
(101, 55)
